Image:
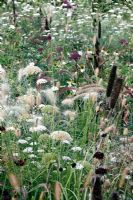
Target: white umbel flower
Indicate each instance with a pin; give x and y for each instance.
(21, 141)
(60, 136)
(75, 149)
(38, 128)
(66, 158)
(28, 150)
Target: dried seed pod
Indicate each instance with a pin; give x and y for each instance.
(116, 91)
(111, 80)
(97, 189)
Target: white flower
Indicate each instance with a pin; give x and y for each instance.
(38, 128)
(66, 158)
(60, 135)
(28, 150)
(41, 81)
(15, 154)
(21, 141)
(79, 166)
(33, 143)
(32, 156)
(40, 150)
(12, 27)
(75, 149)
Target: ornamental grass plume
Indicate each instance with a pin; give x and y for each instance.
(2, 73)
(96, 53)
(14, 181)
(116, 91)
(97, 189)
(31, 69)
(123, 177)
(111, 80)
(50, 96)
(88, 179)
(57, 190)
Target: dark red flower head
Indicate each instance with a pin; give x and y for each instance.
(101, 171)
(99, 155)
(75, 55)
(123, 42)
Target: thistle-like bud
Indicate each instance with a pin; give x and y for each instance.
(116, 91)
(111, 80)
(114, 196)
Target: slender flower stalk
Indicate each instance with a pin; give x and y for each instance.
(97, 189)
(115, 92)
(14, 12)
(111, 80)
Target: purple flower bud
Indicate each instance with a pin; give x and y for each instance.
(59, 49)
(123, 42)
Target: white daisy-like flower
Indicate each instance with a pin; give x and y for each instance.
(41, 81)
(61, 136)
(66, 158)
(76, 149)
(38, 128)
(28, 150)
(21, 141)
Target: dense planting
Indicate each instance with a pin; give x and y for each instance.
(66, 98)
